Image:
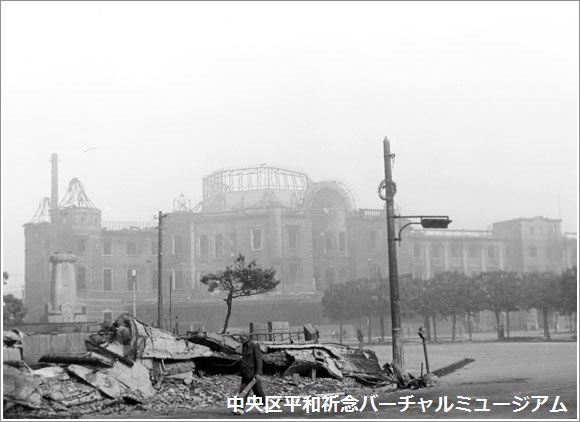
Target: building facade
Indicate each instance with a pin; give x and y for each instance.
(310, 232)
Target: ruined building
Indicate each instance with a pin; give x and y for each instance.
(311, 232)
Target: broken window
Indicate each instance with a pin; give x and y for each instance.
(372, 240)
(107, 279)
(178, 280)
(131, 247)
(292, 238)
(456, 251)
(342, 241)
(81, 245)
(107, 247)
(177, 244)
(81, 278)
(329, 276)
(203, 246)
(256, 235)
(329, 241)
(219, 246)
(374, 269)
(417, 251)
(293, 273)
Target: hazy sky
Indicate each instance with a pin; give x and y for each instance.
(479, 100)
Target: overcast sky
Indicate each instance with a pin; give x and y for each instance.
(479, 100)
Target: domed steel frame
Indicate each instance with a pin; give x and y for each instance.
(250, 178)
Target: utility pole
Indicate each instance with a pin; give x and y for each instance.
(170, 289)
(159, 269)
(390, 191)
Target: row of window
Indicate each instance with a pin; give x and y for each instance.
(133, 281)
(474, 252)
(543, 229)
(551, 253)
(207, 248)
(456, 251)
(177, 276)
(131, 246)
(203, 244)
(333, 242)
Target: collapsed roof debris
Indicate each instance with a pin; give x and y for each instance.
(12, 345)
(132, 364)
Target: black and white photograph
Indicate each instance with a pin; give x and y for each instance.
(249, 210)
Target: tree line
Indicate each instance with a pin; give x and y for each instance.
(451, 294)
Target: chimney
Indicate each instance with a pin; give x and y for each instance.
(54, 188)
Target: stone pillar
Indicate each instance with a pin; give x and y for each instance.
(63, 305)
(274, 243)
(446, 255)
(482, 255)
(274, 230)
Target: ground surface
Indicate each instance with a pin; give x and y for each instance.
(502, 373)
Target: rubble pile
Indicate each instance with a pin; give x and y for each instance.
(12, 344)
(132, 367)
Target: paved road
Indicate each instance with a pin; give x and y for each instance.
(501, 372)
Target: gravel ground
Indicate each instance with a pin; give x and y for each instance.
(198, 393)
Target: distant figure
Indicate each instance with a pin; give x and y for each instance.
(251, 369)
(360, 336)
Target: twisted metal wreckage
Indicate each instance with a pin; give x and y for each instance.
(130, 360)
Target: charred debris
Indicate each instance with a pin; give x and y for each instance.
(132, 363)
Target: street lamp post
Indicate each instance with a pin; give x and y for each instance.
(160, 268)
(387, 191)
(134, 278)
(390, 190)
